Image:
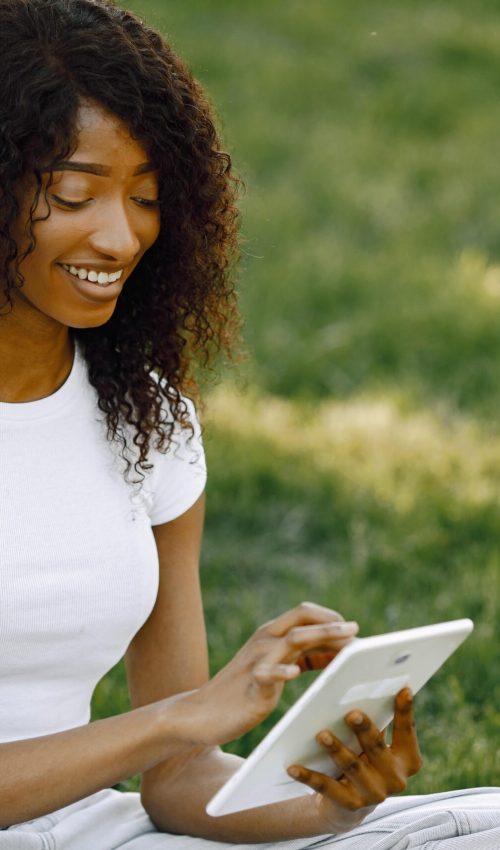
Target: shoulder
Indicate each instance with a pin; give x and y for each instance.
(179, 471)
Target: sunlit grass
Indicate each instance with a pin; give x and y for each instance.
(374, 443)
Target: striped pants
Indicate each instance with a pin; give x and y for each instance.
(111, 820)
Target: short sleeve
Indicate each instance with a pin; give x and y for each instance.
(179, 476)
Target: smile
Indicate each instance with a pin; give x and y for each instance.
(101, 278)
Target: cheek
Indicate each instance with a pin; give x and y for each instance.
(50, 241)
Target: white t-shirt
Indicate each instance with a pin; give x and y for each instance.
(78, 559)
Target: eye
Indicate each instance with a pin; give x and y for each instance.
(145, 202)
(72, 205)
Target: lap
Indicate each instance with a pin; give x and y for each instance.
(110, 820)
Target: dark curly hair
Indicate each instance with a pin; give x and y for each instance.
(54, 55)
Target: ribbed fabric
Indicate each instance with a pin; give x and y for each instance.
(110, 820)
(78, 559)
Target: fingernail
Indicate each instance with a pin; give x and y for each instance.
(294, 772)
(356, 718)
(326, 738)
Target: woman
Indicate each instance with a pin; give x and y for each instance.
(118, 228)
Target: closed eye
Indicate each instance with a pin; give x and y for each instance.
(75, 205)
(144, 202)
(72, 205)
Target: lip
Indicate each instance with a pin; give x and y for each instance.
(93, 291)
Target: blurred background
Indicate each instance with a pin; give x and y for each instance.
(354, 459)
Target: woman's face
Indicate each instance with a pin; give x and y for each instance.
(104, 215)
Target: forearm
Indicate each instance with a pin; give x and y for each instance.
(86, 759)
(175, 796)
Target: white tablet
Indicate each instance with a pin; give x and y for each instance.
(366, 674)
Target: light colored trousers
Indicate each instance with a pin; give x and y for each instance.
(110, 820)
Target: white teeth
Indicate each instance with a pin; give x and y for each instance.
(101, 278)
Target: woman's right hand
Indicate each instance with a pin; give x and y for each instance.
(247, 689)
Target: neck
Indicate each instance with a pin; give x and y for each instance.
(35, 357)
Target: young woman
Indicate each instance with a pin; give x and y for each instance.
(117, 232)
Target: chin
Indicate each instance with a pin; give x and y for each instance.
(99, 318)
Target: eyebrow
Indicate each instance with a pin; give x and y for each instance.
(95, 168)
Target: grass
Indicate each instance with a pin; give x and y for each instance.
(357, 460)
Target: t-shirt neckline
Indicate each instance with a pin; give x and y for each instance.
(26, 410)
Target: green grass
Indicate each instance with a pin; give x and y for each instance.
(360, 464)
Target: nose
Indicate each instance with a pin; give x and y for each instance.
(115, 237)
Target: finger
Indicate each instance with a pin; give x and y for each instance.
(343, 793)
(404, 735)
(301, 640)
(304, 614)
(357, 770)
(370, 737)
(326, 637)
(266, 674)
(315, 660)
(300, 636)
(323, 637)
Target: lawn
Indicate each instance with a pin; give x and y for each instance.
(354, 459)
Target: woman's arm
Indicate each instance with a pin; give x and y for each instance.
(185, 785)
(40, 775)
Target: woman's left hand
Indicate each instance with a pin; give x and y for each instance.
(367, 779)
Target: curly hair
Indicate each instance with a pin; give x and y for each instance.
(54, 55)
